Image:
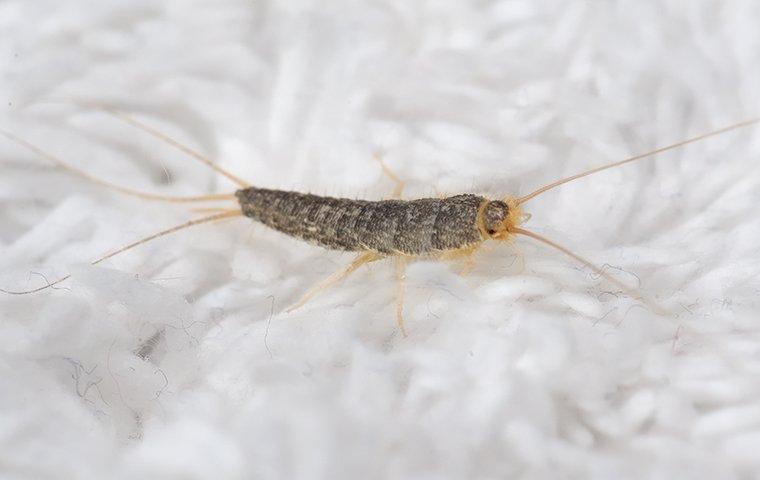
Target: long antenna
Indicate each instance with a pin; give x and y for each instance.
(129, 246)
(580, 259)
(631, 292)
(545, 188)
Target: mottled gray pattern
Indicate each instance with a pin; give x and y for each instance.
(415, 227)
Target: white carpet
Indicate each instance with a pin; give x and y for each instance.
(166, 362)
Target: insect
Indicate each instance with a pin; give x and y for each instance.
(401, 230)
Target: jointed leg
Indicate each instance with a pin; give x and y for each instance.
(468, 263)
(399, 184)
(335, 278)
(400, 263)
(464, 254)
(520, 259)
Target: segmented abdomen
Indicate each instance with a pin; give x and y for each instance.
(414, 227)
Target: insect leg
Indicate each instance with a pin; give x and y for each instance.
(104, 183)
(398, 183)
(209, 210)
(520, 259)
(400, 264)
(464, 254)
(336, 277)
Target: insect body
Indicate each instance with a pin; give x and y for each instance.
(422, 227)
(398, 229)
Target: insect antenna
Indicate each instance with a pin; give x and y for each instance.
(631, 292)
(105, 183)
(198, 221)
(599, 271)
(703, 136)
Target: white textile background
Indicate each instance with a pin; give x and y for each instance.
(177, 360)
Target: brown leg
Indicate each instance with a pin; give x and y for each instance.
(520, 258)
(464, 254)
(468, 263)
(335, 278)
(400, 263)
(399, 184)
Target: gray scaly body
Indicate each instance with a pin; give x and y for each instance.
(415, 227)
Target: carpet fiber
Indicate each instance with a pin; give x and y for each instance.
(177, 359)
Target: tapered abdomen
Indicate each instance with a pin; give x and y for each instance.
(414, 227)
